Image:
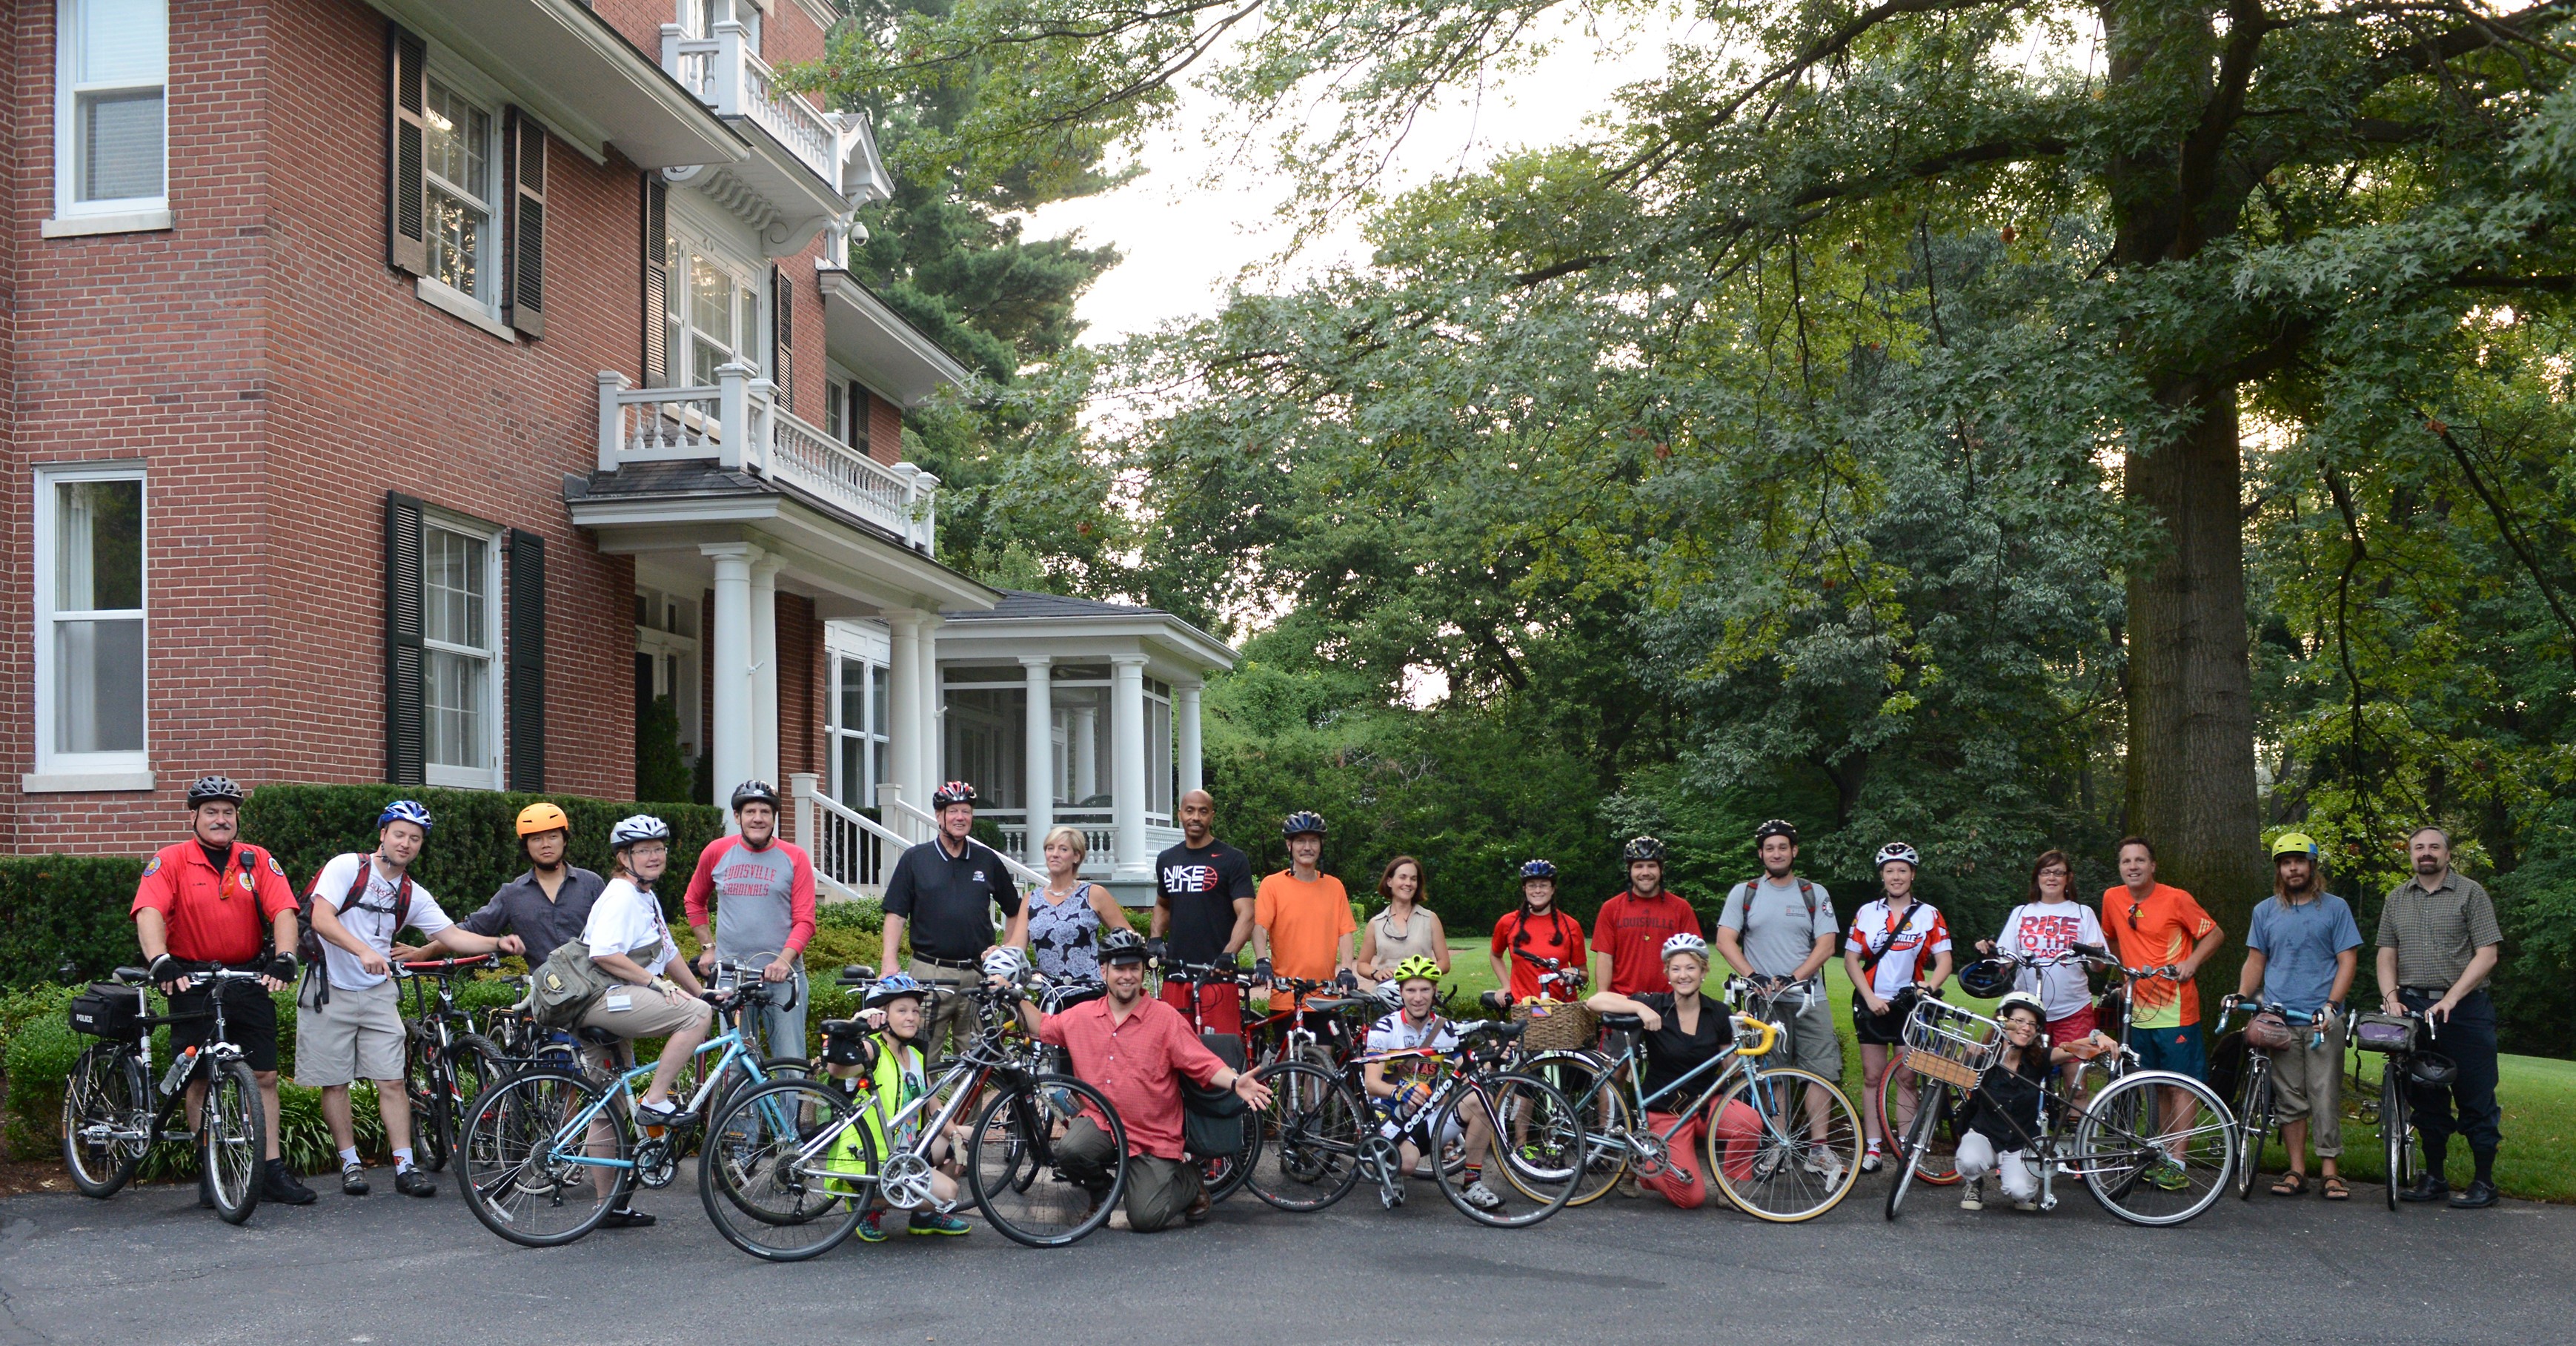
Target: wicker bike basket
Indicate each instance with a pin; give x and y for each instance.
(1557, 1025)
(1946, 1043)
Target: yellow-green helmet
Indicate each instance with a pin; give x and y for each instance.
(1419, 965)
(2294, 843)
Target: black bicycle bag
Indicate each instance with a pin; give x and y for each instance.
(108, 1010)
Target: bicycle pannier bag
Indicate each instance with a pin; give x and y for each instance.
(566, 986)
(107, 1010)
(2383, 1032)
(2270, 1032)
(1212, 1119)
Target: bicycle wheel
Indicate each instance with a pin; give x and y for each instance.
(2253, 1123)
(1937, 1162)
(1591, 1083)
(474, 1064)
(1928, 1107)
(521, 1158)
(425, 1084)
(1538, 1145)
(232, 1138)
(1017, 1131)
(1784, 1145)
(2394, 1138)
(107, 1120)
(1304, 1148)
(768, 1182)
(2150, 1168)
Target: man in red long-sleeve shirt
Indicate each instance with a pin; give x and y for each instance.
(1135, 1051)
(763, 889)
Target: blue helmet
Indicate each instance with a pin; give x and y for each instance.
(1538, 869)
(895, 986)
(1301, 822)
(403, 811)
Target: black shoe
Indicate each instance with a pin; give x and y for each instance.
(2477, 1195)
(2426, 1188)
(276, 1184)
(353, 1180)
(413, 1182)
(625, 1219)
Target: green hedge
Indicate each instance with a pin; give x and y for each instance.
(65, 908)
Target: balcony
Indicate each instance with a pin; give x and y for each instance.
(739, 425)
(808, 168)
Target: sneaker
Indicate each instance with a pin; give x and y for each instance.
(1870, 1162)
(2478, 1195)
(932, 1222)
(276, 1184)
(869, 1230)
(2169, 1176)
(1482, 1197)
(1975, 1197)
(1826, 1164)
(413, 1182)
(353, 1180)
(664, 1113)
(625, 1219)
(2026, 1203)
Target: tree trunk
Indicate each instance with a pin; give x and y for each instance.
(2191, 704)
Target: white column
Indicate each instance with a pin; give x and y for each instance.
(1086, 750)
(1127, 763)
(934, 711)
(801, 790)
(1038, 766)
(903, 711)
(730, 745)
(764, 671)
(1185, 737)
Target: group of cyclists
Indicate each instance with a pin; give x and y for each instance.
(957, 922)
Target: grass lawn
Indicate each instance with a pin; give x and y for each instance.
(2538, 1160)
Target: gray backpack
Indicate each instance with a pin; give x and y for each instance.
(566, 986)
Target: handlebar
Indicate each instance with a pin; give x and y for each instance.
(444, 967)
(1769, 1033)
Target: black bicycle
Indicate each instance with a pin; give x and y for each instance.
(446, 1062)
(114, 1111)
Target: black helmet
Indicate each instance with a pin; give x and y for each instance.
(2433, 1070)
(1988, 978)
(1642, 848)
(1777, 827)
(954, 792)
(1302, 822)
(1122, 946)
(210, 789)
(754, 792)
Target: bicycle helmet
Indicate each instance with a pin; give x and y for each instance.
(1006, 963)
(1686, 942)
(215, 789)
(1898, 850)
(1390, 993)
(1301, 823)
(1419, 965)
(2432, 1070)
(754, 792)
(895, 986)
(1642, 848)
(2022, 1000)
(641, 827)
(1988, 978)
(1776, 827)
(1538, 869)
(2295, 843)
(1122, 946)
(404, 811)
(954, 792)
(542, 817)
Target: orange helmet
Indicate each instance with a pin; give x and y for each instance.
(542, 817)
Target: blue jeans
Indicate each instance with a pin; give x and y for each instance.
(782, 1031)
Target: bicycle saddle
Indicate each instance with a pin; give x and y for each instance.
(598, 1037)
(1622, 1021)
(1334, 1004)
(857, 973)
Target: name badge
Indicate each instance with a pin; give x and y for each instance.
(618, 1001)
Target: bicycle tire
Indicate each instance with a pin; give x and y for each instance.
(232, 1139)
(106, 1092)
(2394, 1142)
(474, 1063)
(1777, 1153)
(773, 1122)
(2123, 1190)
(2252, 1125)
(1303, 1151)
(1545, 1178)
(1933, 1165)
(507, 1151)
(1918, 1136)
(426, 1087)
(1026, 1110)
(1589, 1081)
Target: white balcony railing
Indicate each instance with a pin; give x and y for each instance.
(739, 424)
(727, 75)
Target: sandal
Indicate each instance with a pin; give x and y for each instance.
(2292, 1183)
(2336, 1189)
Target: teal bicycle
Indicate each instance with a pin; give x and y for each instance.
(549, 1151)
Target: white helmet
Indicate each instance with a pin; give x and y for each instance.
(1390, 993)
(1006, 963)
(1686, 942)
(641, 827)
(2023, 1000)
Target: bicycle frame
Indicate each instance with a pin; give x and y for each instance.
(574, 1131)
(961, 1084)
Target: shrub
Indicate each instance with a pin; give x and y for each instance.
(65, 909)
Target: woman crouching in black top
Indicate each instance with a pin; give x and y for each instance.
(1683, 1030)
(1997, 1119)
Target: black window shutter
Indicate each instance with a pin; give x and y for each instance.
(524, 142)
(858, 436)
(406, 187)
(405, 750)
(782, 334)
(527, 661)
(657, 281)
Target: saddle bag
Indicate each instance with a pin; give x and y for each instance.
(566, 986)
(1212, 1119)
(2385, 1032)
(2270, 1032)
(108, 1010)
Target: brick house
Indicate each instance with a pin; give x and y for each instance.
(413, 390)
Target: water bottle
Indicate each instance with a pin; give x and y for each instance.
(179, 1070)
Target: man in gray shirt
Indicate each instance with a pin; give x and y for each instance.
(2438, 941)
(1780, 929)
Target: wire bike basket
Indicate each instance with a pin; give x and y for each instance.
(1949, 1044)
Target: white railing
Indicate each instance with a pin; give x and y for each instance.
(852, 852)
(740, 425)
(727, 75)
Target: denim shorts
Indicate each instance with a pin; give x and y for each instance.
(2174, 1049)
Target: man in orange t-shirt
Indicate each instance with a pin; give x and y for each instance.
(2151, 925)
(1301, 916)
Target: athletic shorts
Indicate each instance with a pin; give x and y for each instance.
(2174, 1049)
(2073, 1028)
(250, 1021)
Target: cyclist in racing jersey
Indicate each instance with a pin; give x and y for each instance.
(1683, 1030)
(1399, 1094)
(889, 1058)
(1898, 948)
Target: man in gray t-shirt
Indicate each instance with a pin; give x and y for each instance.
(1781, 928)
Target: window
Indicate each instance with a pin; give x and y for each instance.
(666, 649)
(857, 730)
(714, 317)
(89, 620)
(112, 60)
(459, 158)
(698, 18)
(461, 671)
(1159, 777)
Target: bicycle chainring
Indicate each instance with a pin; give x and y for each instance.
(1647, 1154)
(657, 1162)
(904, 1181)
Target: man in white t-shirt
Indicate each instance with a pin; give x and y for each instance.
(348, 1020)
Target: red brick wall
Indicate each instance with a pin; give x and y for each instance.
(885, 430)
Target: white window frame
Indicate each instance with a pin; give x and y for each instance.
(752, 347)
(675, 659)
(697, 17)
(488, 776)
(72, 215)
(489, 98)
(85, 770)
(872, 649)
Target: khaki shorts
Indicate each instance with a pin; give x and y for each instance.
(1812, 1042)
(357, 1036)
(633, 1012)
(2307, 1085)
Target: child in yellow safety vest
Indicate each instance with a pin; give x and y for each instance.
(887, 1063)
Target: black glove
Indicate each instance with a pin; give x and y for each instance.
(1261, 969)
(1157, 950)
(1347, 979)
(165, 970)
(282, 967)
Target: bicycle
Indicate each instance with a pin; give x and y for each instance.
(800, 1169)
(446, 1063)
(513, 1030)
(1545, 1165)
(2396, 1038)
(1219, 1177)
(1938, 1166)
(2255, 1117)
(528, 1152)
(114, 1111)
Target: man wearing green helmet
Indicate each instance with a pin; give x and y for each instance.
(2302, 947)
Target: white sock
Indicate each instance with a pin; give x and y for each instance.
(348, 1156)
(402, 1159)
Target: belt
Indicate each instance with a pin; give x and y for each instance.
(967, 965)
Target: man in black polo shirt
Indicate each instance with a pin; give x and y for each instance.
(1203, 911)
(944, 891)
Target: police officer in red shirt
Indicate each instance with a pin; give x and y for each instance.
(211, 901)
